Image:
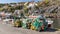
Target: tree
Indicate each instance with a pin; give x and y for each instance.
(1, 9)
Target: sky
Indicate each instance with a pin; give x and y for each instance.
(11, 1)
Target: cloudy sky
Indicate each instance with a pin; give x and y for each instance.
(9, 1)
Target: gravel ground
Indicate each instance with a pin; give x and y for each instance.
(8, 29)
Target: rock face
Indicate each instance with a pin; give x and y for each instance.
(54, 6)
(57, 2)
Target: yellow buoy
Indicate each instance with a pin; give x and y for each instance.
(32, 28)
